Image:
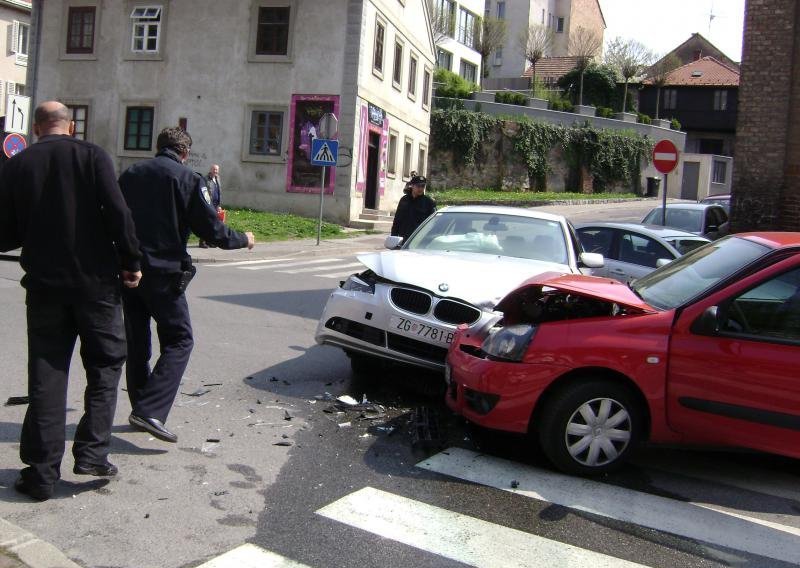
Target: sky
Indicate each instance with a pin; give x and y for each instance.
(662, 25)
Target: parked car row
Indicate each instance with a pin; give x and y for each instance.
(593, 339)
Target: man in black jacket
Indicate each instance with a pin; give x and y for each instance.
(62, 205)
(168, 201)
(413, 208)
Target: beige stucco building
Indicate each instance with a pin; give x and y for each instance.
(457, 35)
(250, 81)
(15, 16)
(562, 17)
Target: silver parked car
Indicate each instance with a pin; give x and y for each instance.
(632, 250)
(457, 265)
(706, 220)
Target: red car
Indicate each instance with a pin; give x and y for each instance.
(704, 350)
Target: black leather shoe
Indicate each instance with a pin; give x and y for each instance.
(154, 426)
(37, 492)
(107, 469)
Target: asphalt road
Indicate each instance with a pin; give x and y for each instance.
(267, 464)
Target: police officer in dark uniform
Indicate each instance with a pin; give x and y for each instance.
(168, 201)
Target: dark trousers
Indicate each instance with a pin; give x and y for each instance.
(53, 326)
(152, 391)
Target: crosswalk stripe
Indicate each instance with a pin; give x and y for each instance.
(313, 268)
(291, 264)
(248, 262)
(459, 537)
(685, 519)
(251, 556)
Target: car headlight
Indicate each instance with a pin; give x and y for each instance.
(509, 343)
(355, 283)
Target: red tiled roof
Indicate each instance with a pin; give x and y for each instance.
(705, 72)
(552, 67)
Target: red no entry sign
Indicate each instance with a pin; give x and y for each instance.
(13, 144)
(665, 156)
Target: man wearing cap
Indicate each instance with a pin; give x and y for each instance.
(412, 209)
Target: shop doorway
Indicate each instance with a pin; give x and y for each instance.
(373, 161)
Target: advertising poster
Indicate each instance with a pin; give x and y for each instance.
(306, 110)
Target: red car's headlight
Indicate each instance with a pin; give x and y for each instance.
(509, 343)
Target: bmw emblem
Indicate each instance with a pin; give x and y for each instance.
(443, 287)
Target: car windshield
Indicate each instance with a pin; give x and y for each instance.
(690, 220)
(685, 278)
(491, 233)
(684, 245)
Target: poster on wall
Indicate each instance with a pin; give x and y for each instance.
(373, 119)
(305, 113)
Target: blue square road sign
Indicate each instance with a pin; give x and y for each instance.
(324, 152)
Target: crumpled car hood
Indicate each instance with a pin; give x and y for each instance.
(481, 279)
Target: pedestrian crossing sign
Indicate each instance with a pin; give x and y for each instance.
(324, 152)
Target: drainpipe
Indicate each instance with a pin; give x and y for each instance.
(32, 75)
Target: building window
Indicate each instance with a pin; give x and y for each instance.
(80, 116)
(498, 56)
(146, 28)
(20, 34)
(138, 128)
(444, 59)
(421, 156)
(80, 29)
(542, 16)
(466, 27)
(426, 88)
(397, 69)
(469, 71)
(719, 172)
(412, 76)
(560, 26)
(407, 158)
(720, 100)
(391, 159)
(501, 10)
(266, 129)
(670, 97)
(445, 17)
(272, 33)
(380, 38)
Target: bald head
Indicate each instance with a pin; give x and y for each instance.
(52, 117)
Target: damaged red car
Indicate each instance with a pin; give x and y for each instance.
(704, 350)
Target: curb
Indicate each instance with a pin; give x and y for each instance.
(30, 550)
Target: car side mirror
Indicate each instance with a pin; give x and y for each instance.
(712, 228)
(393, 242)
(708, 322)
(662, 261)
(592, 260)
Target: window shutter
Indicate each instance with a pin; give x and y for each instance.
(13, 37)
(11, 88)
(2, 98)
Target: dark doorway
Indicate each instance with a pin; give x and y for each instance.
(691, 180)
(711, 146)
(371, 194)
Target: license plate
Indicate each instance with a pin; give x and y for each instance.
(419, 330)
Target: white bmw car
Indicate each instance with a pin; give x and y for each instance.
(453, 270)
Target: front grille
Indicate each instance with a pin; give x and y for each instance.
(416, 348)
(412, 301)
(358, 330)
(456, 313)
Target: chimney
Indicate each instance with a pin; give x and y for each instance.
(697, 55)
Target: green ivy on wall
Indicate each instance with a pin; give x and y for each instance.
(611, 155)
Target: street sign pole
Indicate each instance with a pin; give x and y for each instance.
(321, 199)
(665, 159)
(664, 202)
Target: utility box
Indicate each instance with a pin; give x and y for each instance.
(653, 183)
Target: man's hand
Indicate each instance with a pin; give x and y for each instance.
(251, 240)
(131, 279)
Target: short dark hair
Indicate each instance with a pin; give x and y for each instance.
(51, 113)
(174, 137)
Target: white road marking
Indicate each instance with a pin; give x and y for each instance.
(459, 537)
(291, 264)
(313, 268)
(665, 156)
(247, 262)
(251, 556)
(689, 520)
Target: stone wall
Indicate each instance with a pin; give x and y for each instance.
(766, 181)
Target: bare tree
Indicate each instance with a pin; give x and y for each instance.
(628, 58)
(534, 43)
(492, 36)
(659, 73)
(585, 45)
(443, 20)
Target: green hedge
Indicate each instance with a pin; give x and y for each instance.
(510, 98)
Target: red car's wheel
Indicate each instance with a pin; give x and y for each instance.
(590, 428)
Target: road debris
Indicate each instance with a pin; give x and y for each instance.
(282, 443)
(198, 392)
(17, 400)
